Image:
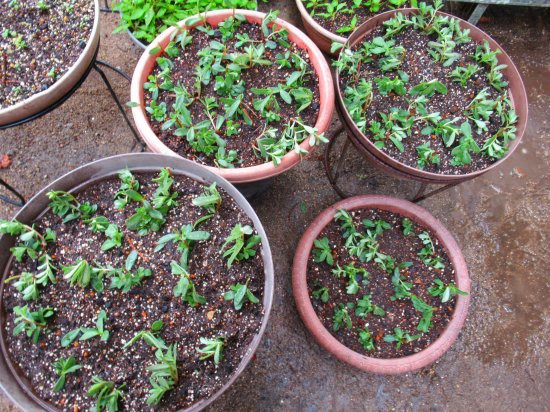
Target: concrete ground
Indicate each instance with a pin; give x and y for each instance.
(501, 221)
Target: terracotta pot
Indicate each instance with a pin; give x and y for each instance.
(40, 101)
(14, 386)
(383, 366)
(322, 37)
(518, 97)
(244, 174)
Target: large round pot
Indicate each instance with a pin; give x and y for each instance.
(40, 101)
(245, 174)
(321, 36)
(518, 98)
(14, 386)
(383, 366)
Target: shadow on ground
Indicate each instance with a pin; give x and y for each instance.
(501, 221)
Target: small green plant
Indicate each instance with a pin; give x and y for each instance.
(184, 240)
(212, 348)
(426, 156)
(401, 287)
(240, 293)
(463, 74)
(129, 190)
(149, 336)
(66, 206)
(341, 317)
(426, 311)
(210, 199)
(353, 275)
(108, 395)
(427, 253)
(163, 198)
(84, 274)
(62, 368)
(377, 226)
(322, 293)
(32, 323)
(164, 374)
(400, 337)
(365, 339)
(239, 245)
(114, 237)
(408, 226)
(365, 306)
(322, 251)
(445, 292)
(185, 287)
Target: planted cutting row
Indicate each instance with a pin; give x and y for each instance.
(424, 92)
(382, 284)
(235, 95)
(125, 306)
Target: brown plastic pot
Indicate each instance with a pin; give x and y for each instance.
(518, 98)
(12, 383)
(382, 366)
(42, 100)
(322, 37)
(245, 174)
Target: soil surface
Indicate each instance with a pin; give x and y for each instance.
(500, 220)
(420, 66)
(400, 313)
(259, 76)
(39, 43)
(129, 313)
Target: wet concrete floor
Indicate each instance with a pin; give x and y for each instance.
(501, 220)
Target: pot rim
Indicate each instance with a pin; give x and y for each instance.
(244, 174)
(42, 99)
(333, 37)
(15, 388)
(324, 338)
(516, 90)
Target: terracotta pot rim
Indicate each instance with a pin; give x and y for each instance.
(518, 100)
(316, 26)
(43, 99)
(303, 302)
(13, 385)
(245, 174)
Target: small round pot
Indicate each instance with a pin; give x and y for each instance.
(322, 37)
(40, 101)
(518, 98)
(245, 174)
(13, 385)
(382, 366)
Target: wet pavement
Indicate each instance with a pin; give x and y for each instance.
(501, 221)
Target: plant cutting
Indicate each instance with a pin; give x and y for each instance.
(46, 47)
(145, 19)
(394, 295)
(142, 324)
(332, 21)
(429, 95)
(243, 92)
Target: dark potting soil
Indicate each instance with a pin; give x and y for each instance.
(38, 45)
(399, 313)
(363, 13)
(129, 313)
(258, 77)
(420, 66)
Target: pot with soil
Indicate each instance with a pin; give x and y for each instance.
(430, 97)
(243, 92)
(145, 20)
(134, 282)
(381, 284)
(46, 47)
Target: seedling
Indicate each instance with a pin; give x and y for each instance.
(378, 226)
(239, 244)
(400, 337)
(322, 293)
(445, 292)
(125, 280)
(66, 206)
(240, 293)
(184, 240)
(212, 348)
(164, 374)
(408, 227)
(210, 199)
(62, 368)
(108, 395)
(353, 275)
(84, 274)
(322, 251)
(149, 336)
(401, 287)
(163, 199)
(341, 317)
(365, 339)
(426, 155)
(427, 253)
(114, 236)
(463, 74)
(32, 323)
(146, 219)
(365, 306)
(426, 311)
(129, 190)
(185, 287)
